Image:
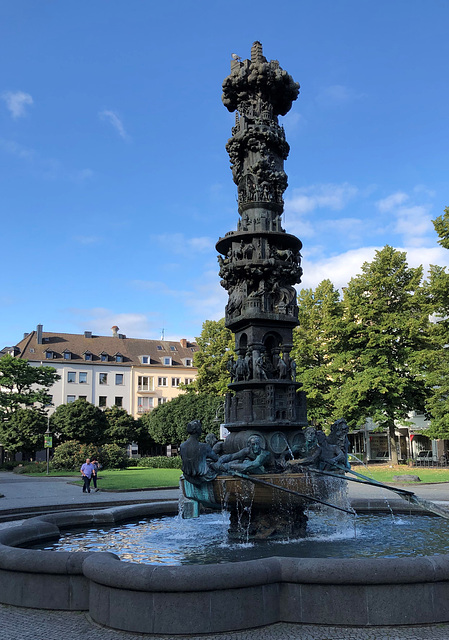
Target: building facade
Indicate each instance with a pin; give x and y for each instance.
(132, 373)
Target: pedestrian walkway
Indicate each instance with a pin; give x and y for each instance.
(17, 623)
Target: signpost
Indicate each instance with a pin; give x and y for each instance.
(48, 443)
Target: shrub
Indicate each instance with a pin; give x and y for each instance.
(160, 462)
(111, 456)
(8, 466)
(31, 467)
(71, 454)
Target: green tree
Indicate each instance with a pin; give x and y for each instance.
(435, 362)
(216, 346)
(80, 421)
(122, 428)
(441, 225)
(23, 431)
(314, 344)
(22, 385)
(167, 423)
(386, 326)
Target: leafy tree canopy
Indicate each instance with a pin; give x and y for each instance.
(435, 362)
(216, 346)
(80, 421)
(23, 385)
(314, 343)
(441, 225)
(23, 431)
(167, 423)
(385, 327)
(122, 428)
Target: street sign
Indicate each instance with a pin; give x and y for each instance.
(48, 442)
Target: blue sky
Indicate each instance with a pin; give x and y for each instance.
(115, 183)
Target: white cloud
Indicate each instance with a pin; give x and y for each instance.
(82, 175)
(159, 287)
(16, 102)
(337, 95)
(17, 150)
(391, 202)
(87, 240)
(338, 269)
(341, 268)
(113, 118)
(134, 325)
(320, 196)
(409, 219)
(178, 243)
(414, 223)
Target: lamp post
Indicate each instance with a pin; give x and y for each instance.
(48, 443)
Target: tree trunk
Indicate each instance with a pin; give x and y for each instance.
(393, 442)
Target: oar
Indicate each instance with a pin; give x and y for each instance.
(403, 493)
(295, 493)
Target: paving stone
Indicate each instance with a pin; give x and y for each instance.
(18, 623)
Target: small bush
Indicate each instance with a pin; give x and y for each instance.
(71, 455)
(8, 466)
(160, 462)
(31, 467)
(132, 462)
(111, 456)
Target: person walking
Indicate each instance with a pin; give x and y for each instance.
(87, 470)
(96, 465)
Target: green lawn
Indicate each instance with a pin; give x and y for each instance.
(142, 478)
(385, 473)
(137, 478)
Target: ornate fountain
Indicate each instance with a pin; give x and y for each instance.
(265, 410)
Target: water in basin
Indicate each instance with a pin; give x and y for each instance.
(173, 541)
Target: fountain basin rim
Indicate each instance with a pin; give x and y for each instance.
(219, 597)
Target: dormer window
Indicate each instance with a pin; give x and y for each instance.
(188, 362)
(67, 354)
(167, 361)
(145, 359)
(159, 348)
(104, 357)
(87, 355)
(118, 357)
(49, 354)
(172, 348)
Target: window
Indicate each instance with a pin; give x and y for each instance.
(188, 380)
(49, 355)
(67, 355)
(144, 404)
(172, 348)
(104, 357)
(88, 355)
(161, 400)
(119, 378)
(159, 348)
(188, 362)
(71, 376)
(118, 401)
(103, 378)
(102, 401)
(144, 383)
(83, 377)
(162, 382)
(167, 361)
(175, 382)
(70, 399)
(82, 397)
(118, 357)
(145, 360)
